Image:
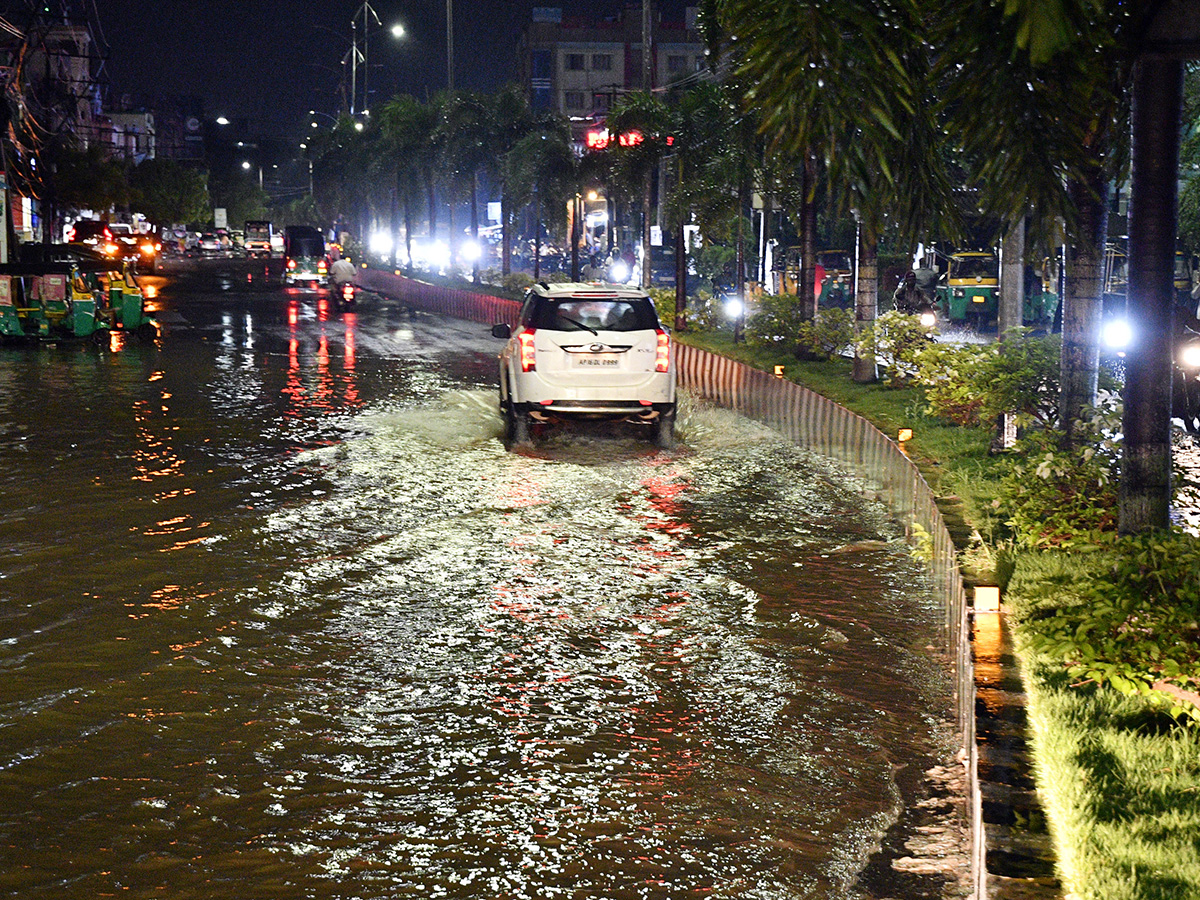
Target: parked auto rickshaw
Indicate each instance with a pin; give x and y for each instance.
(70, 299)
(1040, 302)
(835, 272)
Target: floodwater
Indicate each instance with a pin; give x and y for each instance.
(280, 618)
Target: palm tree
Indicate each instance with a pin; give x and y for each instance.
(511, 121)
(464, 130)
(815, 72)
(407, 126)
(540, 171)
(637, 158)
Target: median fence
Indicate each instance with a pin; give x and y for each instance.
(878, 464)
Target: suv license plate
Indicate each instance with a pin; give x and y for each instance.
(597, 361)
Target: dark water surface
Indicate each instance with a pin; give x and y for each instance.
(280, 618)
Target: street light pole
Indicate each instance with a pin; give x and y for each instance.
(364, 10)
(450, 44)
(353, 64)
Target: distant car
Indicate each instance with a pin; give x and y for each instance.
(208, 243)
(140, 248)
(587, 351)
(97, 236)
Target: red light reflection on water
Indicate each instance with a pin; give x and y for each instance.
(315, 381)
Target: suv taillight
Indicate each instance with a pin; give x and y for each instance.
(525, 345)
(662, 355)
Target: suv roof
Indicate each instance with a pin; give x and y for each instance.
(581, 290)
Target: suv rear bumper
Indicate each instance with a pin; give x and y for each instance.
(596, 409)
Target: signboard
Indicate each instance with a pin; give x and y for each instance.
(52, 288)
(493, 210)
(220, 219)
(655, 236)
(6, 290)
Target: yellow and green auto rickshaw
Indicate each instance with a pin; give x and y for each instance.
(75, 298)
(970, 290)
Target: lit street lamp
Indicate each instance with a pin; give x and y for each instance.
(247, 165)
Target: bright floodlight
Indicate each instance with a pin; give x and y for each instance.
(397, 31)
(734, 307)
(471, 251)
(245, 165)
(619, 272)
(1117, 334)
(381, 243)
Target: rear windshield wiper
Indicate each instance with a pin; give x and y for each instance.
(580, 324)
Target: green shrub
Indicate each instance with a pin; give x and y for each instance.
(518, 282)
(895, 340)
(1134, 624)
(973, 384)
(776, 323)
(830, 334)
(947, 372)
(1056, 496)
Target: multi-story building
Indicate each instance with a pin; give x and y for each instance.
(580, 67)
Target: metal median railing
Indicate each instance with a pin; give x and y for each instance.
(881, 469)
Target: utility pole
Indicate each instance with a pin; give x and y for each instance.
(450, 45)
(647, 71)
(364, 11)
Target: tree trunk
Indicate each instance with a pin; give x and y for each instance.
(1012, 278)
(1146, 460)
(537, 237)
(505, 237)
(1081, 306)
(681, 267)
(451, 236)
(408, 236)
(576, 234)
(431, 199)
(866, 300)
(647, 190)
(396, 200)
(808, 242)
(477, 251)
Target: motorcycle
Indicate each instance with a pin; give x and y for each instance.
(346, 294)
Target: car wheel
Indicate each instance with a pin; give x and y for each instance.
(664, 430)
(516, 427)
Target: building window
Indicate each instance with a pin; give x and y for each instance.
(573, 99)
(574, 62)
(602, 62)
(676, 64)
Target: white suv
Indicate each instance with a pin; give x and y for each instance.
(586, 351)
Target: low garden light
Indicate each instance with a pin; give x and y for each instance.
(987, 598)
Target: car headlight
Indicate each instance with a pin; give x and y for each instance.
(1189, 355)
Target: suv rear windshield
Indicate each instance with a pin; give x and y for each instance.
(581, 314)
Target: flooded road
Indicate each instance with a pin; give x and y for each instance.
(280, 618)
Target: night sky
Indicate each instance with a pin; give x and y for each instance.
(270, 61)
